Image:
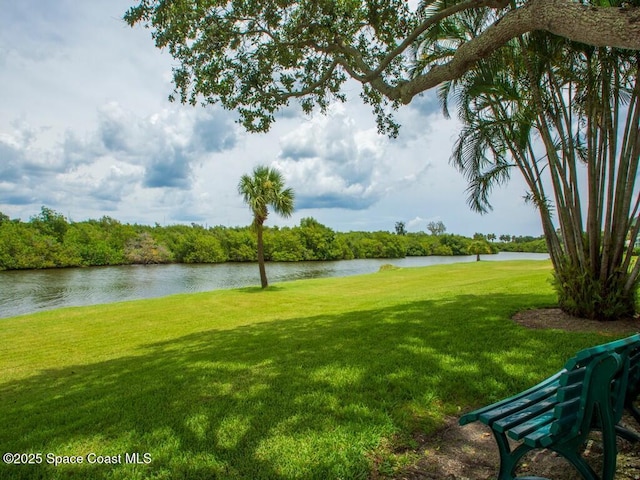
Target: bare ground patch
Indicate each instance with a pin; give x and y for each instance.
(554, 318)
(470, 452)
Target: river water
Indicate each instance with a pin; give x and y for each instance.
(29, 291)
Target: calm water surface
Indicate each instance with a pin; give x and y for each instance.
(30, 291)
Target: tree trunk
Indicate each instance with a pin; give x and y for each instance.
(592, 277)
(261, 267)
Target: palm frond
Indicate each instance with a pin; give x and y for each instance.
(264, 189)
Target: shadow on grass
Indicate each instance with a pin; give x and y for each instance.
(310, 397)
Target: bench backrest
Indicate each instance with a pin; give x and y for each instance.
(629, 349)
(597, 375)
(582, 390)
(623, 347)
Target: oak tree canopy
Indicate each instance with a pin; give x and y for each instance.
(255, 56)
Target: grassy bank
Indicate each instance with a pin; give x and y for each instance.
(310, 379)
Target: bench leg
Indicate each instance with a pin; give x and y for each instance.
(571, 450)
(580, 464)
(609, 442)
(508, 459)
(627, 434)
(634, 410)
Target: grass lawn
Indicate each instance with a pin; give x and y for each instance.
(321, 379)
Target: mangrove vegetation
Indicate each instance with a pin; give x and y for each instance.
(50, 240)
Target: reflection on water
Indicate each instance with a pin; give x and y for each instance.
(33, 290)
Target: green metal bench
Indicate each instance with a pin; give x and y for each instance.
(589, 393)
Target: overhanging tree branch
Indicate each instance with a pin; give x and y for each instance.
(596, 26)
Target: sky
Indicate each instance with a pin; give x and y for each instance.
(87, 130)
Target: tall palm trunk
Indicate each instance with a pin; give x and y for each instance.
(592, 274)
(261, 267)
(265, 188)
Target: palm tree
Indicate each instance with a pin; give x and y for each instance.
(479, 247)
(583, 103)
(263, 189)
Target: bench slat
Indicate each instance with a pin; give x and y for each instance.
(569, 392)
(539, 438)
(522, 416)
(524, 429)
(569, 407)
(491, 416)
(567, 417)
(546, 387)
(572, 377)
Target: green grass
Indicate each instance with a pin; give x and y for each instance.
(321, 379)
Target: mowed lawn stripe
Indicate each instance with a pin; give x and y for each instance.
(322, 378)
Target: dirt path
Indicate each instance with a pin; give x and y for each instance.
(470, 452)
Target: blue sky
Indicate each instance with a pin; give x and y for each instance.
(86, 129)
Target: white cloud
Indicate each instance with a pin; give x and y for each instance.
(86, 129)
(331, 162)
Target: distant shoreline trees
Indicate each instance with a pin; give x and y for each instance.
(49, 240)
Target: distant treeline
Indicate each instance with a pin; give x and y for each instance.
(49, 240)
